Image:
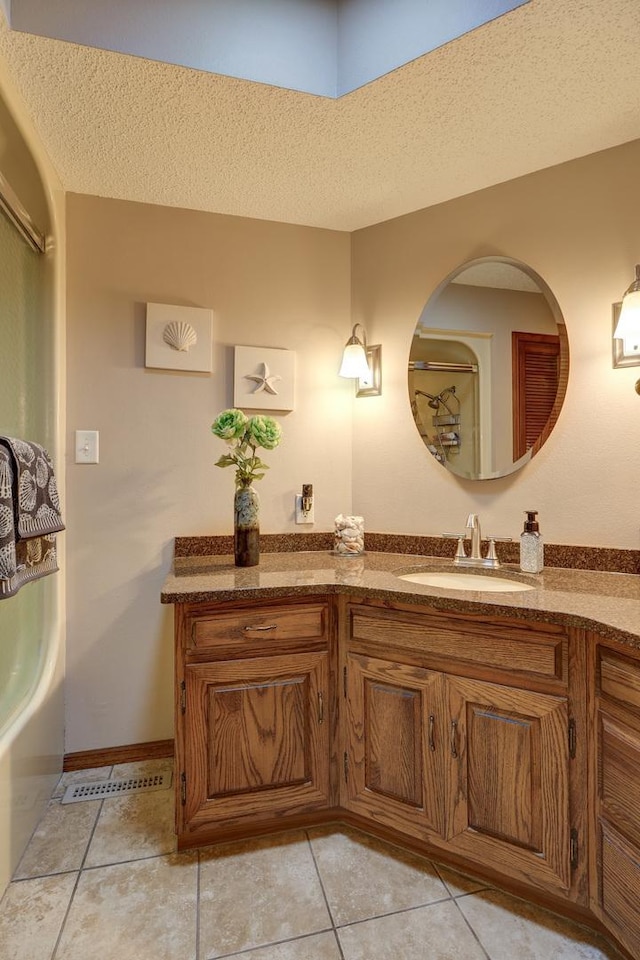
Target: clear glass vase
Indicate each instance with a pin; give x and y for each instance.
(246, 526)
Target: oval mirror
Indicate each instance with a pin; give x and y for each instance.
(488, 368)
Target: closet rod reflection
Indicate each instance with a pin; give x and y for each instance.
(440, 366)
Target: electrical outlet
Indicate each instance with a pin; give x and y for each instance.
(86, 446)
(303, 516)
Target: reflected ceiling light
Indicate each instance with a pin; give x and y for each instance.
(362, 363)
(626, 326)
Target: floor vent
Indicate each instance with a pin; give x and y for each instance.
(99, 789)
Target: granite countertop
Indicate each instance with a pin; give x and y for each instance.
(606, 602)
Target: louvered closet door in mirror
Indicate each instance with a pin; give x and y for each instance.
(536, 374)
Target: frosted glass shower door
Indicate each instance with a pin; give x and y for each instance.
(26, 410)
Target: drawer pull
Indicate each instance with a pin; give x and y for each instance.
(320, 707)
(432, 725)
(454, 739)
(271, 626)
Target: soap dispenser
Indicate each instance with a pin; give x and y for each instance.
(531, 545)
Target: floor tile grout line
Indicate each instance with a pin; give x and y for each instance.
(338, 944)
(120, 863)
(41, 876)
(93, 832)
(53, 873)
(66, 917)
(419, 906)
(465, 893)
(395, 913)
(473, 932)
(324, 894)
(75, 886)
(246, 951)
(52, 799)
(15, 879)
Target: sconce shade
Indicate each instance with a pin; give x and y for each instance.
(354, 359)
(628, 326)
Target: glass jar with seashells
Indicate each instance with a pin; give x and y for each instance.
(244, 435)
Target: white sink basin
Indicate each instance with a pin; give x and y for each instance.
(468, 581)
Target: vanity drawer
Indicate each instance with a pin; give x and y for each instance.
(242, 628)
(619, 678)
(532, 650)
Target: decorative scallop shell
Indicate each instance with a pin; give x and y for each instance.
(34, 550)
(27, 493)
(42, 472)
(6, 521)
(23, 451)
(8, 560)
(47, 517)
(53, 492)
(180, 335)
(5, 479)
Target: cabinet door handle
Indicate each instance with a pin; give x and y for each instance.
(454, 739)
(320, 707)
(271, 626)
(432, 727)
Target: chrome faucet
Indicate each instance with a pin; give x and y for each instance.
(475, 558)
(473, 524)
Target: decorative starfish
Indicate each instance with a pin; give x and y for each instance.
(264, 382)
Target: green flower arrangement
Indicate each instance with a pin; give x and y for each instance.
(245, 434)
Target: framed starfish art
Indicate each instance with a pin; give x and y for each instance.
(264, 378)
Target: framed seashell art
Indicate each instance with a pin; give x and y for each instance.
(179, 338)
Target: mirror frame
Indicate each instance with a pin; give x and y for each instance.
(563, 378)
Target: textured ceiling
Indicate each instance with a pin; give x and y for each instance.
(550, 81)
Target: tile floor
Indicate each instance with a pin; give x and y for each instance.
(100, 879)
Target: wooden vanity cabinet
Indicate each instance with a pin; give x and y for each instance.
(437, 750)
(462, 735)
(255, 715)
(618, 793)
(392, 769)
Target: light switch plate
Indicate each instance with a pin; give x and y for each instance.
(87, 446)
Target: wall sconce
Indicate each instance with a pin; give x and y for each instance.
(362, 363)
(626, 326)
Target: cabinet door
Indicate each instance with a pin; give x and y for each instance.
(619, 829)
(393, 744)
(508, 782)
(256, 738)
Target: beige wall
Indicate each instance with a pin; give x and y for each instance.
(268, 284)
(278, 285)
(576, 225)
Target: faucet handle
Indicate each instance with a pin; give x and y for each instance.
(492, 556)
(460, 537)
